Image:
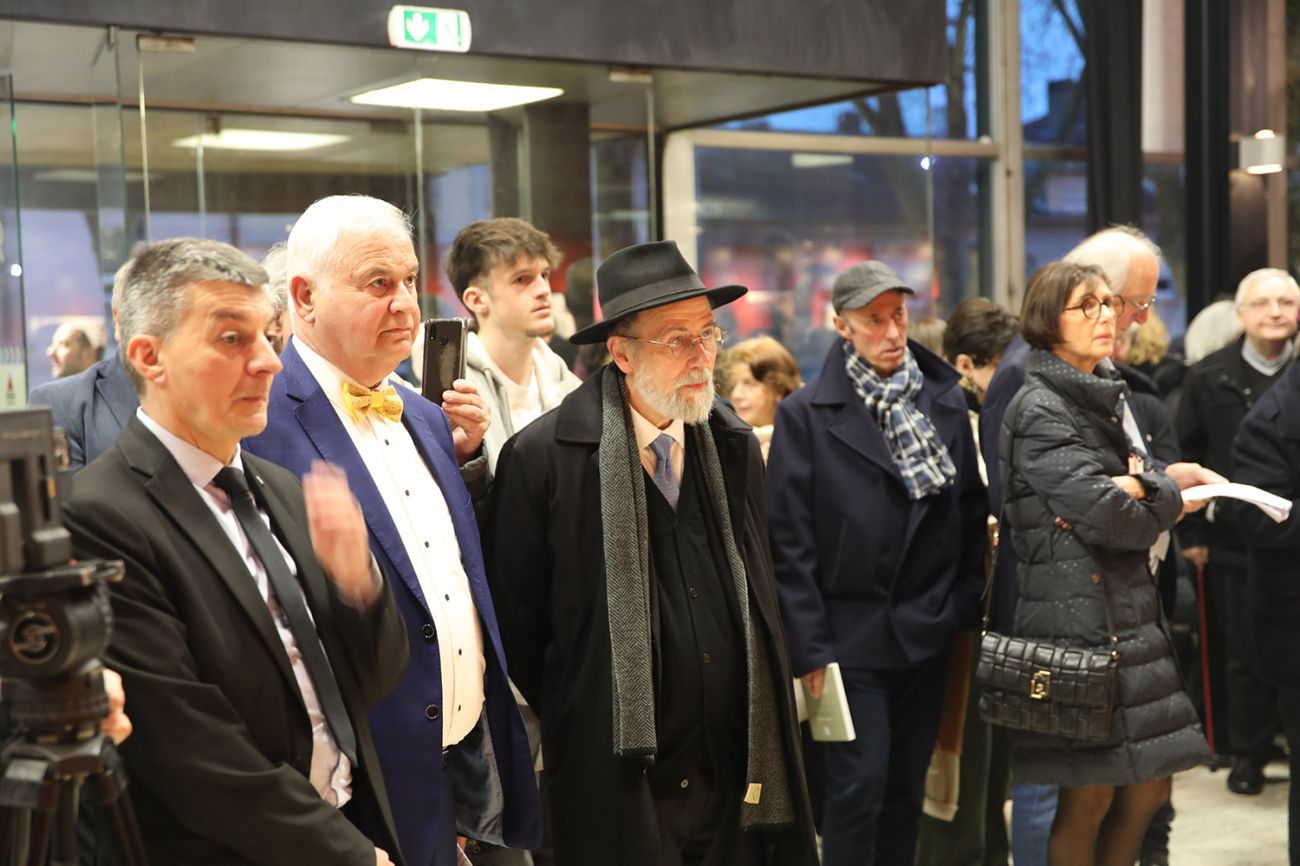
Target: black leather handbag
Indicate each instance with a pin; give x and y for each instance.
(1034, 685)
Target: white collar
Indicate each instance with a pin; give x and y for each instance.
(331, 378)
(198, 465)
(647, 432)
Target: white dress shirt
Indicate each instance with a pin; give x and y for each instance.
(331, 771)
(418, 509)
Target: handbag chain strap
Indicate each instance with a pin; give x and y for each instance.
(986, 597)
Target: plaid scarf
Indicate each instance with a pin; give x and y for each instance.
(921, 458)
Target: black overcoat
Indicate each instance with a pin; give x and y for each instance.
(1062, 441)
(545, 562)
(1266, 453)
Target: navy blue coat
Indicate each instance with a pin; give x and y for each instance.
(868, 578)
(495, 785)
(1266, 453)
(92, 407)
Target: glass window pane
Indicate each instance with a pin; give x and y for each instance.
(1051, 66)
(1164, 219)
(1056, 210)
(946, 110)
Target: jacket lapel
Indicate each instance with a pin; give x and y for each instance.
(175, 496)
(322, 426)
(852, 424)
(115, 391)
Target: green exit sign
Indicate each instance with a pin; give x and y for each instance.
(428, 29)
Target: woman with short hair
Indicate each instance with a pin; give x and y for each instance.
(1087, 513)
(756, 374)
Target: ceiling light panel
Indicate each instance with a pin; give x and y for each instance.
(440, 94)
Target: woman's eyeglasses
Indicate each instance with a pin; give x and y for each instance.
(1091, 306)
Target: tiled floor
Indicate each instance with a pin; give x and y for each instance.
(1216, 828)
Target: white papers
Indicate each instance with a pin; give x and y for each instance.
(829, 720)
(1274, 506)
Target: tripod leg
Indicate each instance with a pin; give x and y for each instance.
(39, 840)
(19, 830)
(65, 823)
(121, 816)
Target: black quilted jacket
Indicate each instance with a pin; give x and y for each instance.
(1062, 440)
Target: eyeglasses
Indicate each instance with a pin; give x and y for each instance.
(1140, 306)
(1286, 305)
(1091, 307)
(682, 348)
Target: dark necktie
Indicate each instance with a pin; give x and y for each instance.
(665, 479)
(290, 598)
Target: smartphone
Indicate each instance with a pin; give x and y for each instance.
(444, 356)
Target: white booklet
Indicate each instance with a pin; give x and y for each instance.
(1274, 506)
(828, 716)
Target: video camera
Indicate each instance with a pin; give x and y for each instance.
(55, 621)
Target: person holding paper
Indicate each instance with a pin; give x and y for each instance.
(878, 524)
(1087, 514)
(1217, 394)
(1266, 453)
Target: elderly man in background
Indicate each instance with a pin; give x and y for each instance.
(449, 735)
(252, 629)
(93, 405)
(878, 525)
(1217, 394)
(627, 550)
(1131, 263)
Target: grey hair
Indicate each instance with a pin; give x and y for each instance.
(313, 242)
(1113, 250)
(276, 265)
(1263, 275)
(1210, 330)
(153, 296)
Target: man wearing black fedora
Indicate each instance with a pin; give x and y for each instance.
(627, 555)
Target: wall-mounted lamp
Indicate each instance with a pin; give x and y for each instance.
(1263, 153)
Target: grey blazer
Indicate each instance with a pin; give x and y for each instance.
(91, 407)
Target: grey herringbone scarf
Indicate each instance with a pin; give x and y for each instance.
(626, 536)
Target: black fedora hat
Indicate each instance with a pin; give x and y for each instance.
(643, 277)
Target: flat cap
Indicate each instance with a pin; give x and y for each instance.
(860, 284)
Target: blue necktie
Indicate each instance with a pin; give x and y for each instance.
(665, 479)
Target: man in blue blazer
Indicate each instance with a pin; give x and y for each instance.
(450, 739)
(877, 517)
(91, 407)
(94, 405)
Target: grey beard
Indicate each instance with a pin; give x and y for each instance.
(671, 403)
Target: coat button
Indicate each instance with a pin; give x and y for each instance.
(428, 632)
(1114, 419)
(707, 658)
(685, 783)
(431, 712)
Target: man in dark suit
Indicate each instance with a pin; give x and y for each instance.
(93, 405)
(628, 556)
(878, 523)
(252, 629)
(450, 737)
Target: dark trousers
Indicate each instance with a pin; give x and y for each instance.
(1251, 700)
(875, 784)
(702, 827)
(977, 835)
(1289, 707)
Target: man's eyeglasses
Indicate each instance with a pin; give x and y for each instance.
(683, 347)
(1140, 306)
(1091, 306)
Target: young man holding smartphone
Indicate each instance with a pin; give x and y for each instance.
(501, 268)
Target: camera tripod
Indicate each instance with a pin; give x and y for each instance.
(40, 791)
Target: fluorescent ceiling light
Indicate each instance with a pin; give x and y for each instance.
(440, 94)
(260, 139)
(820, 160)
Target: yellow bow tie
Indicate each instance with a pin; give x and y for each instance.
(382, 401)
